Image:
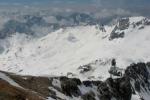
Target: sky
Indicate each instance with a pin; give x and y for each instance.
(44, 1)
(140, 7)
(83, 2)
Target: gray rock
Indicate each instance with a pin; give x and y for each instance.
(123, 24)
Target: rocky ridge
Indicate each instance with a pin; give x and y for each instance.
(134, 81)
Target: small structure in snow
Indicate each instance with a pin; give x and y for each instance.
(115, 71)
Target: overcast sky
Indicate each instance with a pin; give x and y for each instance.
(84, 2)
(141, 7)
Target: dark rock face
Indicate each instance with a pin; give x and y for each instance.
(87, 83)
(115, 35)
(125, 88)
(103, 89)
(118, 30)
(88, 96)
(139, 73)
(123, 24)
(117, 88)
(70, 87)
(78, 82)
(146, 21)
(137, 70)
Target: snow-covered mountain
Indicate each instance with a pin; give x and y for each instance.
(83, 56)
(66, 50)
(38, 24)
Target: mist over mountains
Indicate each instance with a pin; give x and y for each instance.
(39, 18)
(74, 50)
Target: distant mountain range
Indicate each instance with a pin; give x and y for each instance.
(29, 23)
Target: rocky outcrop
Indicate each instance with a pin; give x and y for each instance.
(139, 73)
(70, 86)
(135, 80)
(116, 35)
(119, 88)
(124, 24)
(85, 68)
(143, 22)
(44, 87)
(88, 96)
(118, 30)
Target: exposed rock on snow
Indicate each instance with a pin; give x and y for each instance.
(55, 55)
(122, 25)
(43, 88)
(83, 52)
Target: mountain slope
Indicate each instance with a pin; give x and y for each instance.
(133, 85)
(64, 51)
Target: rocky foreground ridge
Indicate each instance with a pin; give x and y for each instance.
(135, 81)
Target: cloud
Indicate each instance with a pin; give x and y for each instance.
(122, 3)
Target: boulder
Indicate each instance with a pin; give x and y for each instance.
(70, 87)
(88, 96)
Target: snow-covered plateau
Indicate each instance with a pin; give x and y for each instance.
(83, 52)
(64, 51)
